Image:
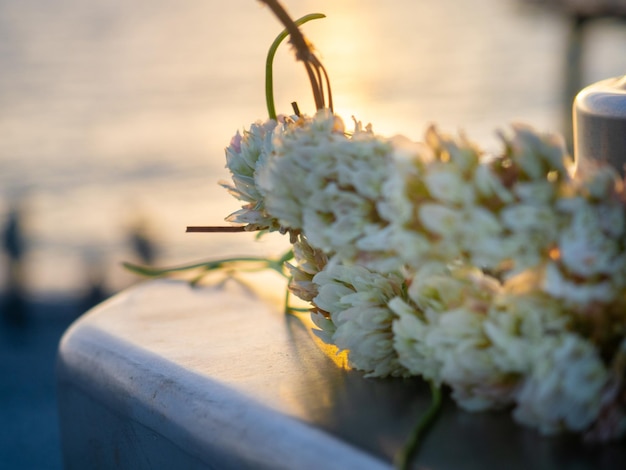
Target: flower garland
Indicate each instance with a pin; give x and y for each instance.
(501, 277)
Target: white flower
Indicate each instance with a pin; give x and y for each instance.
(244, 157)
(442, 337)
(573, 293)
(335, 218)
(536, 193)
(426, 198)
(519, 318)
(409, 335)
(600, 181)
(462, 153)
(561, 376)
(584, 249)
(308, 262)
(376, 250)
(537, 156)
(454, 206)
(591, 242)
(292, 171)
(393, 241)
(489, 186)
(356, 302)
(329, 184)
(448, 186)
(440, 219)
(483, 240)
(530, 219)
(532, 229)
(404, 192)
(611, 422)
(564, 387)
(469, 363)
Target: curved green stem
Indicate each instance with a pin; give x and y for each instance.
(287, 295)
(269, 62)
(407, 454)
(288, 307)
(277, 265)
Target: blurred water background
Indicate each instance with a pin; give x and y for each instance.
(114, 116)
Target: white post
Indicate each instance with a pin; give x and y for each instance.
(600, 123)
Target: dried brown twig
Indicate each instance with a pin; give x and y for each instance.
(304, 52)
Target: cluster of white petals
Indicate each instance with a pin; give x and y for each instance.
(352, 312)
(440, 335)
(502, 277)
(449, 202)
(325, 182)
(563, 389)
(245, 155)
(308, 262)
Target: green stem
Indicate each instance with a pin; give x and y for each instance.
(269, 63)
(287, 295)
(287, 256)
(407, 454)
(265, 263)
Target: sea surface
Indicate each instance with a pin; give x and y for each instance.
(114, 115)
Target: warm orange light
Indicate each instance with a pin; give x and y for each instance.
(554, 253)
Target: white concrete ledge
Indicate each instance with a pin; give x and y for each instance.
(166, 376)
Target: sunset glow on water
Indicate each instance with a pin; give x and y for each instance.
(114, 112)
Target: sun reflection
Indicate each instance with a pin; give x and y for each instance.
(362, 59)
(339, 358)
(347, 52)
(342, 41)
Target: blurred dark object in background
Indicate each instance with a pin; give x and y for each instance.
(141, 241)
(30, 330)
(585, 7)
(580, 14)
(13, 306)
(96, 290)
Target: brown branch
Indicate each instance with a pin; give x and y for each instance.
(215, 229)
(330, 93)
(318, 96)
(304, 52)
